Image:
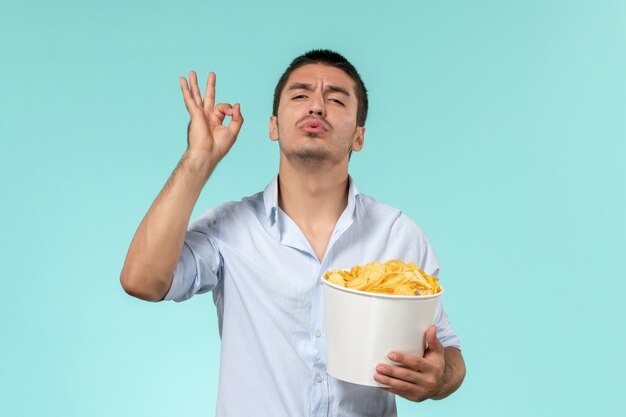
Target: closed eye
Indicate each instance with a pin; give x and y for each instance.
(336, 101)
(299, 96)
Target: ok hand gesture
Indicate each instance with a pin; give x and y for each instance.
(206, 130)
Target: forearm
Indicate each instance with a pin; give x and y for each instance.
(454, 373)
(158, 242)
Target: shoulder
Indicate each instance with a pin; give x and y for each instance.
(228, 212)
(397, 227)
(376, 210)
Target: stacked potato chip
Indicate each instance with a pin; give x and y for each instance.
(392, 277)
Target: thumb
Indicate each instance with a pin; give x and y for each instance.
(434, 345)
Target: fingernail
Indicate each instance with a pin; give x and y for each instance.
(393, 356)
(380, 368)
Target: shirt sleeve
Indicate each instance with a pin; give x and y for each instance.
(199, 267)
(429, 263)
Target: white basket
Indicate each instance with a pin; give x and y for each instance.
(362, 328)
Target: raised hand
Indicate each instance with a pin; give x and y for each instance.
(206, 130)
(160, 237)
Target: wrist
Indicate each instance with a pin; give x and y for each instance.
(199, 162)
(453, 374)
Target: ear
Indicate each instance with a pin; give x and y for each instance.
(273, 128)
(359, 138)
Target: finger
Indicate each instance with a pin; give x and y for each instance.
(236, 121)
(184, 87)
(209, 93)
(434, 345)
(411, 361)
(398, 372)
(221, 110)
(395, 384)
(195, 91)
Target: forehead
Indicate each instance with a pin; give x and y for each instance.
(320, 73)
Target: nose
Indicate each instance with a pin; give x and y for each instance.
(317, 106)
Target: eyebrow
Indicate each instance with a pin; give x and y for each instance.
(309, 87)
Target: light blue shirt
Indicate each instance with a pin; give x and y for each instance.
(265, 279)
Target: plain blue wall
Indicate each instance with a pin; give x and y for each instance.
(498, 126)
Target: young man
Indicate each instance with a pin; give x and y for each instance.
(263, 257)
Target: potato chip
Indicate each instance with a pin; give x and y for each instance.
(394, 265)
(392, 277)
(358, 283)
(336, 278)
(404, 289)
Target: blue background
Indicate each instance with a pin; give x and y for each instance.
(498, 126)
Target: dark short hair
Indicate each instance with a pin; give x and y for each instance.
(332, 59)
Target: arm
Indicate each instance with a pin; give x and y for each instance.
(154, 251)
(436, 375)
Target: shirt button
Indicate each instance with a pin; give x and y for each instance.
(318, 333)
(318, 378)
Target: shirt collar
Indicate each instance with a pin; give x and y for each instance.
(270, 198)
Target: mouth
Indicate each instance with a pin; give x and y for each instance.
(313, 126)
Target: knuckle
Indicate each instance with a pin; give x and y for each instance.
(408, 375)
(440, 369)
(400, 385)
(415, 362)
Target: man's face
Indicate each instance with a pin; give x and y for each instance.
(316, 119)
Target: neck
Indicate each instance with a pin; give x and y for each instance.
(313, 196)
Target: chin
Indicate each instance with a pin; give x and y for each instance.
(308, 152)
(313, 154)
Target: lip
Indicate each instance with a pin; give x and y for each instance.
(313, 126)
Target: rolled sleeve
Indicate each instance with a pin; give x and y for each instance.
(198, 268)
(445, 333)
